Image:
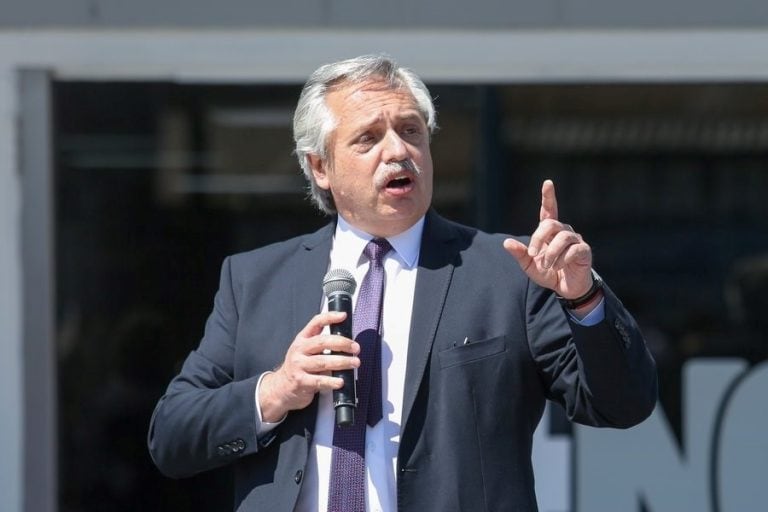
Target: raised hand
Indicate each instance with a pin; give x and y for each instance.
(557, 257)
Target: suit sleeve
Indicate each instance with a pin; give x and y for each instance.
(603, 375)
(206, 419)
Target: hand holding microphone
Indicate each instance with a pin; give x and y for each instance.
(313, 364)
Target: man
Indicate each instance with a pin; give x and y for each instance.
(476, 331)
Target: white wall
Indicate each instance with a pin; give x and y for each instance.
(410, 14)
(10, 304)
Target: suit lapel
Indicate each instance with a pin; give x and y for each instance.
(307, 282)
(439, 251)
(307, 293)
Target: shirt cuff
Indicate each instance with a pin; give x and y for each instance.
(594, 317)
(263, 427)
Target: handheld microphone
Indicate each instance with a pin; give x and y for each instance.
(338, 286)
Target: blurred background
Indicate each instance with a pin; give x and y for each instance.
(140, 143)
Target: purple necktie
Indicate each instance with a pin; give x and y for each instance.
(347, 487)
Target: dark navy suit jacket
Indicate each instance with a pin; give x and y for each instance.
(469, 410)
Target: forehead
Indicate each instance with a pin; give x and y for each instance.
(370, 101)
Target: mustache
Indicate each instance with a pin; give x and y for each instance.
(387, 172)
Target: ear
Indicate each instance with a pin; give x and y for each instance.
(319, 171)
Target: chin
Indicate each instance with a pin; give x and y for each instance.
(401, 213)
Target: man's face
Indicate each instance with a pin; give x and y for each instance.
(380, 137)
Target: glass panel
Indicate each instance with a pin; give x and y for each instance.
(668, 183)
(155, 184)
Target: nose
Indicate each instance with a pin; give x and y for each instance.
(394, 148)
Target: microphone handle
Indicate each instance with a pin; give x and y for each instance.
(344, 399)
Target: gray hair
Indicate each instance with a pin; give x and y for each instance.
(313, 121)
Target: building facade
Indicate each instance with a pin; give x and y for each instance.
(130, 134)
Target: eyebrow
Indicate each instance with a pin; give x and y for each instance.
(405, 116)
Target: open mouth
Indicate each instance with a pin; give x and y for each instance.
(399, 183)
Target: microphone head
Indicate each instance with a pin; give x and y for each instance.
(338, 280)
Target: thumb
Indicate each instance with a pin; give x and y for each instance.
(519, 251)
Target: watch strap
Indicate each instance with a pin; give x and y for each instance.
(597, 286)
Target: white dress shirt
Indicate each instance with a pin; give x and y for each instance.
(382, 440)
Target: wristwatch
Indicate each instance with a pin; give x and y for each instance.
(597, 285)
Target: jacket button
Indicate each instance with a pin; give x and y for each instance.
(298, 476)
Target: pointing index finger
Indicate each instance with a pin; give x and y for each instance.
(548, 201)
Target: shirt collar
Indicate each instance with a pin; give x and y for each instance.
(351, 241)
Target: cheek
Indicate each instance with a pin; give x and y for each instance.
(355, 172)
(425, 156)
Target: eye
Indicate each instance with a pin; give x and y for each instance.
(365, 138)
(364, 142)
(411, 131)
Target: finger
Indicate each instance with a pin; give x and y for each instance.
(321, 382)
(329, 363)
(545, 232)
(331, 343)
(320, 321)
(519, 251)
(563, 241)
(329, 383)
(579, 254)
(548, 201)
